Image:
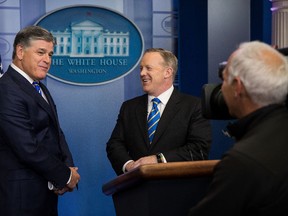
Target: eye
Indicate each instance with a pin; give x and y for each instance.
(40, 52)
(149, 68)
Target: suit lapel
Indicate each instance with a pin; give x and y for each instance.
(51, 104)
(172, 107)
(141, 116)
(29, 89)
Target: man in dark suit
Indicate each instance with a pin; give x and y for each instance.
(182, 133)
(252, 177)
(35, 162)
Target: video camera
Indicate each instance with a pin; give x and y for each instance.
(213, 103)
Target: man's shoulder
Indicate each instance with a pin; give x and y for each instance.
(136, 101)
(7, 81)
(185, 97)
(11, 75)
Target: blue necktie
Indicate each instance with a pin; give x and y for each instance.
(37, 87)
(153, 119)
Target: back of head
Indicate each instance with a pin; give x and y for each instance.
(262, 70)
(30, 33)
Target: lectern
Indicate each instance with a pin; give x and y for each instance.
(160, 189)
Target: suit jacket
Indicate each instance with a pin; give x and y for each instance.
(33, 149)
(182, 133)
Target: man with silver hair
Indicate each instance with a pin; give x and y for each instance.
(252, 177)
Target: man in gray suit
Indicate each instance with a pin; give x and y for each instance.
(35, 162)
(182, 133)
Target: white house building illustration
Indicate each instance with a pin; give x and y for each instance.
(89, 39)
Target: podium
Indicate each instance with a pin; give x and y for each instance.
(160, 189)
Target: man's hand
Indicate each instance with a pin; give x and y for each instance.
(141, 161)
(62, 191)
(130, 166)
(75, 178)
(152, 159)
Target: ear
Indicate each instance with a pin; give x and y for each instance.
(239, 88)
(19, 51)
(168, 72)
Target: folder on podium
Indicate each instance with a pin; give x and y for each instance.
(160, 189)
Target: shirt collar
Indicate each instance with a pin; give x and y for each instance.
(22, 73)
(164, 97)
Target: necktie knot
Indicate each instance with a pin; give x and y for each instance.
(155, 101)
(37, 86)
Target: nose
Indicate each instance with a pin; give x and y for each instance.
(142, 72)
(47, 58)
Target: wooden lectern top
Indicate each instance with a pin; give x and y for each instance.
(160, 171)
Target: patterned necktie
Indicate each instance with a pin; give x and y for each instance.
(37, 87)
(153, 119)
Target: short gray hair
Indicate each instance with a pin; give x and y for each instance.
(265, 80)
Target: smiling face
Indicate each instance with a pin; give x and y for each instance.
(156, 77)
(34, 60)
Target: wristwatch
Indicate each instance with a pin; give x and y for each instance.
(159, 157)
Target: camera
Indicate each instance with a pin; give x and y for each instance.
(213, 103)
(212, 100)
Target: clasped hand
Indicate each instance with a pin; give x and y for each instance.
(75, 178)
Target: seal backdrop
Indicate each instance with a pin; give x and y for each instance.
(95, 45)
